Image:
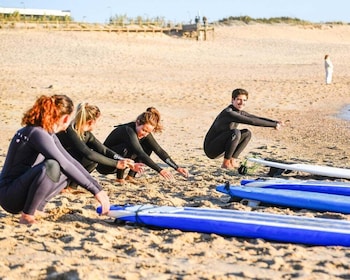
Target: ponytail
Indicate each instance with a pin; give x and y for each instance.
(85, 112)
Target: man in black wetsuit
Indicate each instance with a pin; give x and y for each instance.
(224, 138)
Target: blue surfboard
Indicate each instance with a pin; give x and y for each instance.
(291, 198)
(275, 227)
(341, 188)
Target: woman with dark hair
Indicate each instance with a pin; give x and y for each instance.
(37, 166)
(135, 140)
(81, 143)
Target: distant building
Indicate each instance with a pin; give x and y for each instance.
(34, 13)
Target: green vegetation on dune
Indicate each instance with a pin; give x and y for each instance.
(287, 20)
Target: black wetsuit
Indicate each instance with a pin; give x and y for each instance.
(36, 169)
(124, 141)
(89, 151)
(223, 136)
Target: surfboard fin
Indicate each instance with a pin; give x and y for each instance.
(232, 198)
(274, 171)
(243, 170)
(250, 202)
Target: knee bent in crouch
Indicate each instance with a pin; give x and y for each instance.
(53, 170)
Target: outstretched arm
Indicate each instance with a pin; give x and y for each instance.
(154, 146)
(247, 118)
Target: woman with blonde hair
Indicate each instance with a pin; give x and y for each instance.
(135, 140)
(81, 143)
(37, 166)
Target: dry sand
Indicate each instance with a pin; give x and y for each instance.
(190, 82)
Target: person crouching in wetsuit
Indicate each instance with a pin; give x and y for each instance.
(37, 166)
(224, 137)
(135, 140)
(81, 143)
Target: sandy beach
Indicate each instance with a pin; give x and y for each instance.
(189, 82)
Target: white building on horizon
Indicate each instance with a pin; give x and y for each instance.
(35, 13)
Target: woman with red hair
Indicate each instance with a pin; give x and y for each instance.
(37, 166)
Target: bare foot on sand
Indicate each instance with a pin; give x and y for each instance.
(27, 219)
(131, 179)
(227, 166)
(120, 181)
(235, 163)
(230, 164)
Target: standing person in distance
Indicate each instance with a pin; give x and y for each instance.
(225, 139)
(328, 65)
(81, 143)
(37, 166)
(135, 140)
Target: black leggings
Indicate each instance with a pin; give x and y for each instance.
(230, 144)
(32, 190)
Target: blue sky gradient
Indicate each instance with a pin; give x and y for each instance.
(183, 11)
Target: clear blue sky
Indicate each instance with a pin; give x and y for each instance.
(184, 10)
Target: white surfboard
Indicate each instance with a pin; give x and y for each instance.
(309, 168)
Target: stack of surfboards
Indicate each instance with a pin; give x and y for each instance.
(316, 195)
(320, 195)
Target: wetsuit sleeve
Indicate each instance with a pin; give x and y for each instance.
(93, 149)
(97, 146)
(159, 151)
(246, 118)
(132, 140)
(51, 148)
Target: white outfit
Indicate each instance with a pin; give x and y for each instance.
(329, 70)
